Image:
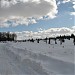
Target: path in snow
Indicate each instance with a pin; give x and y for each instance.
(10, 64)
(7, 66)
(22, 61)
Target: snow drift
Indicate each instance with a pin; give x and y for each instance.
(25, 58)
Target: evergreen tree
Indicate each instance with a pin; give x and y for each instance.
(49, 41)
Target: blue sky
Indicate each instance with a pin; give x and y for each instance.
(63, 19)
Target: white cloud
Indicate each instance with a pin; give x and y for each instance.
(73, 27)
(65, 1)
(15, 21)
(52, 32)
(58, 3)
(72, 13)
(26, 9)
(3, 23)
(73, 2)
(73, 6)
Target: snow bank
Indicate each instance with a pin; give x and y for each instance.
(39, 58)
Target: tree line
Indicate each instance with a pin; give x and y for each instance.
(7, 36)
(48, 40)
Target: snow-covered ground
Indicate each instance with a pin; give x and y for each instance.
(27, 58)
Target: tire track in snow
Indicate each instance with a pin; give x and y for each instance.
(27, 66)
(50, 64)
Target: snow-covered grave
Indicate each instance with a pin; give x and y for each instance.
(28, 58)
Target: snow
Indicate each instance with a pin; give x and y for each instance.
(27, 58)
